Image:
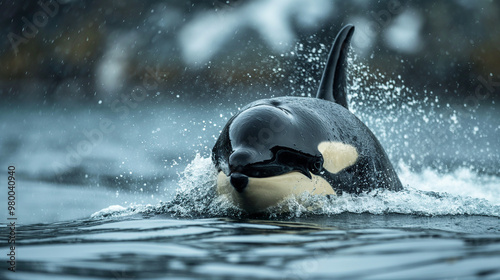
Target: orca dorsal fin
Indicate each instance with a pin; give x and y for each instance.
(333, 82)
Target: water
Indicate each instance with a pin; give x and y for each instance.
(139, 202)
(345, 246)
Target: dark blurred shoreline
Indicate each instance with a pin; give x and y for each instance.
(64, 61)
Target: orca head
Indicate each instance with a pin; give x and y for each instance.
(267, 153)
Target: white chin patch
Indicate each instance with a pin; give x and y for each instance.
(262, 193)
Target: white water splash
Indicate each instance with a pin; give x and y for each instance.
(461, 182)
(113, 210)
(196, 194)
(427, 193)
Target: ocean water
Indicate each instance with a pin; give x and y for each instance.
(137, 200)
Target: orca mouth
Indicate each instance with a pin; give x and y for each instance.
(263, 170)
(284, 161)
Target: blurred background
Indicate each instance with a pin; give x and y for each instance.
(71, 51)
(106, 102)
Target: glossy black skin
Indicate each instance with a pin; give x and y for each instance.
(274, 136)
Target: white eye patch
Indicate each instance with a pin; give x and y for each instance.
(337, 156)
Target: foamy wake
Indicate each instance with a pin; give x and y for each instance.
(427, 193)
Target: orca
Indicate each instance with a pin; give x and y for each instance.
(278, 147)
